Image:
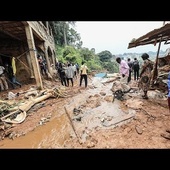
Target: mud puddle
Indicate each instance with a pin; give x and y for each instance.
(95, 110)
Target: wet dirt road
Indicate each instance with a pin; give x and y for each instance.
(96, 113)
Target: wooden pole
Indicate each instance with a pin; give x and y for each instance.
(72, 125)
(155, 71)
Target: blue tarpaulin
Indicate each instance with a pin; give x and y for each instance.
(101, 75)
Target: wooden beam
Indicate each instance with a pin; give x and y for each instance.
(7, 33)
(33, 56)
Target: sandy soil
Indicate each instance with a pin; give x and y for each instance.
(145, 130)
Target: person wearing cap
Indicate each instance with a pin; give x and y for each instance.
(145, 75)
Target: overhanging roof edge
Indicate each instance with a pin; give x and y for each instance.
(147, 38)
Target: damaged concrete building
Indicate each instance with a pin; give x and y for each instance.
(25, 41)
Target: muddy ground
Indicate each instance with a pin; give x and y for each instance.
(141, 127)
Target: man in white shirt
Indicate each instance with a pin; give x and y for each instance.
(69, 74)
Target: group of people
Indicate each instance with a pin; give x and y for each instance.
(68, 72)
(144, 77)
(142, 74)
(133, 67)
(7, 76)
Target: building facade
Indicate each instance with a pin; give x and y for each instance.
(26, 41)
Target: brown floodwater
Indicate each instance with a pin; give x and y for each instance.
(50, 135)
(59, 130)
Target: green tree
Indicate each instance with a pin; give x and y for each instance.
(105, 56)
(64, 35)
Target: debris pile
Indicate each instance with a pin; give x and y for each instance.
(15, 108)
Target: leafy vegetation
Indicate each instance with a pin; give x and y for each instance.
(69, 49)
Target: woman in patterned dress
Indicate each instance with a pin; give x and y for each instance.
(145, 75)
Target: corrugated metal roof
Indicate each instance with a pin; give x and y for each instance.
(153, 37)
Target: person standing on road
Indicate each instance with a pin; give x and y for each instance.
(124, 72)
(62, 74)
(75, 71)
(130, 64)
(83, 73)
(145, 75)
(136, 69)
(69, 74)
